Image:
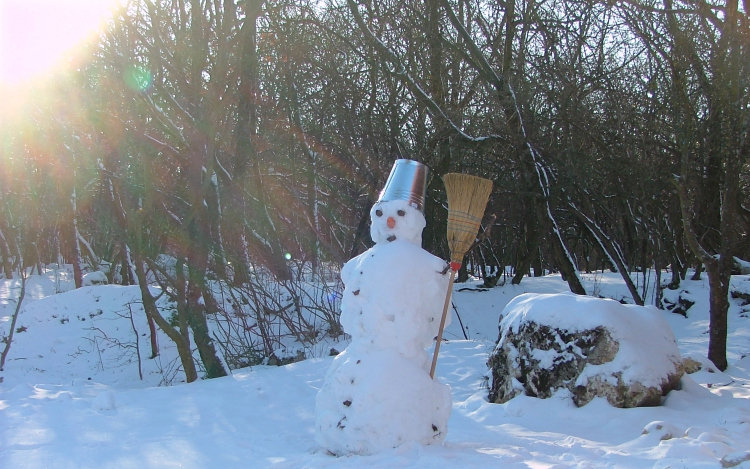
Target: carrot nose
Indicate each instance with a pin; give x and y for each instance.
(391, 222)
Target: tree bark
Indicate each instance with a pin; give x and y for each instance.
(246, 133)
(533, 166)
(610, 249)
(14, 318)
(533, 240)
(5, 253)
(181, 340)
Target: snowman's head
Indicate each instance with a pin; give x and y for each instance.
(396, 219)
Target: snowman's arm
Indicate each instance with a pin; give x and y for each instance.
(349, 268)
(441, 266)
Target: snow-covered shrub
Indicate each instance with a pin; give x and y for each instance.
(268, 322)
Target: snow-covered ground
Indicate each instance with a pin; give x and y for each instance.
(72, 395)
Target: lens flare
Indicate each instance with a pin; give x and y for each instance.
(138, 79)
(333, 297)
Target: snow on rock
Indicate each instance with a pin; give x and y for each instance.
(740, 267)
(94, 278)
(678, 301)
(691, 365)
(663, 430)
(593, 347)
(735, 459)
(104, 401)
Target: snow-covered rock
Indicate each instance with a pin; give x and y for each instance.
(678, 301)
(104, 401)
(735, 459)
(593, 347)
(740, 266)
(663, 430)
(94, 278)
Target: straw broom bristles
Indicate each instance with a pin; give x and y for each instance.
(467, 199)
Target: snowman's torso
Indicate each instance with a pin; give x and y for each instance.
(393, 297)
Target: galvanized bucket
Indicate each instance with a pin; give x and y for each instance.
(407, 181)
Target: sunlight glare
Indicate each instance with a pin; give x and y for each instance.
(36, 35)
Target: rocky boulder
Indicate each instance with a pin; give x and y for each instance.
(590, 346)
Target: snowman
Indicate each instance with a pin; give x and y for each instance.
(378, 393)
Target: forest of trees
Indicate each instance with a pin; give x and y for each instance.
(244, 142)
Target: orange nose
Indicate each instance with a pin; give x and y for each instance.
(391, 222)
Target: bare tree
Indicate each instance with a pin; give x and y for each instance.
(8, 339)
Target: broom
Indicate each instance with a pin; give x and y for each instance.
(467, 199)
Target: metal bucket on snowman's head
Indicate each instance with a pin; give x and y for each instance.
(407, 181)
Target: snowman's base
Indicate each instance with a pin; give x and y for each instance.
(379, 400)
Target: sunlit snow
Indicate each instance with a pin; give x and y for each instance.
(62, 405)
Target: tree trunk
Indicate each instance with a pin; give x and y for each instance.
(658, 291)
(75, 247)
(722, 136)
(182, 341)
(609, 248)
(719, 270)
(534, 168)
(568, 269)
(14, 318)
(214, 214)
(533, 240)
(697, 271)
(5, 253)
(674, 283)
(246, 133)
(718, 283)
(196, 313)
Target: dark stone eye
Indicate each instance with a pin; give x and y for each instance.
(379, 212)
(401, 213)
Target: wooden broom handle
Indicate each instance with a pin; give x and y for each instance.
(448, 295)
